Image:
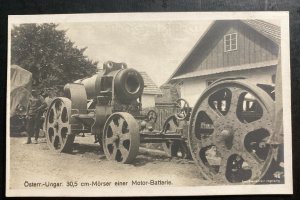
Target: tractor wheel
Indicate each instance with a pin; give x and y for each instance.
(228, 133)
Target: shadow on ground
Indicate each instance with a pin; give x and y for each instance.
(146, 155)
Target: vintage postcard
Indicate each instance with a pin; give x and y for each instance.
(149, 104)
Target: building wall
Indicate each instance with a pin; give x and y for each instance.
(148, 100)
(170, 94)
(192, 88)
(252, 48)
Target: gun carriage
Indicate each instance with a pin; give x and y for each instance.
(108, 105)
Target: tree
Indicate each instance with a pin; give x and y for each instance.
(49, 55)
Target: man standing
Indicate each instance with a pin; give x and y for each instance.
(35, 109)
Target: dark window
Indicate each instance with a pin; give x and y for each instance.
(230, 42)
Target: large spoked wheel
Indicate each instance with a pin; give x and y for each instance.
(229, 128)
(57, 125)
(121, 138)
(174, 148)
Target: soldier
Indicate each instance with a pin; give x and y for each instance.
(35, 109)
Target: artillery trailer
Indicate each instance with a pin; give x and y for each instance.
(107, 105)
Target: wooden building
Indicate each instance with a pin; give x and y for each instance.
(150, 91)
(229, 48)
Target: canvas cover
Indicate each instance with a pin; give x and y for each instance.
(20, 88)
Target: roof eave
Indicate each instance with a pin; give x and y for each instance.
(232, 69)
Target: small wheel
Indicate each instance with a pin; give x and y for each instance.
(152, 116)
(177, 149)
(184, 109)
(174, 148)
(228, 133)
(121, 138)
(57, 125)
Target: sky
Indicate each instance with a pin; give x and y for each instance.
(156, 47)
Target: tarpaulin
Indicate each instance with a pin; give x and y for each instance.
(20, 88)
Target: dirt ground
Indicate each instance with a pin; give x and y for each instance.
(37, 163)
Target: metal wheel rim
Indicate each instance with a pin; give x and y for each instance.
(57, 125)
(121, 139)
(195, 144)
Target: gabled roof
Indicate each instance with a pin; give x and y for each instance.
(266, 29)
(150, 86)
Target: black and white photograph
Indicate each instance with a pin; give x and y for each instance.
(149, 104)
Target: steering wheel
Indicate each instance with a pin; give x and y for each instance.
(152, 116)
(184, 109)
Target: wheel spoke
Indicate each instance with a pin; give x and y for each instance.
(220, 176)
(123, 151)
(254, 163)
(110, 140)
(247, 128)
(61, 113)
(55, 131)
(61, 140)
(50, 125)
(221, 147)
(206, 141)
(236, 93)
(120, 124)
(114, 153)
(64, 125)
(212, 114)
(54, 138)
(258, 124)
(124, 136)
(113, 127)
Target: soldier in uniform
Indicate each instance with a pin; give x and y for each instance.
(35, 110)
